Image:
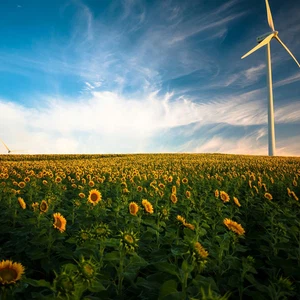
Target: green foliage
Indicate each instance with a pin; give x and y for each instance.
(107, 253)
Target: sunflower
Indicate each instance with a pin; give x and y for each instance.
(184, 180)
(44, 206)
(148, 206)
(139, 188)
(236, 201)
(10, 272)
(101, 231)
(58, 179)
(27, 179)
(224, 196)
(91, 183)
(181, 219)
(174, 189)
(161, 185)
(173, 198)
(45, 182)
(35, 206)
(295, 196)
(94, 196)
(128, 241)
(170, 179)
(200, 251)
(217, 193)
(21, 184)
(59, 222)
(268, 196)
(234, 226)
(133, 208)
(22, 202)
(189, 226)
(188, 194)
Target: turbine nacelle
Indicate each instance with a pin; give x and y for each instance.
(262, 37)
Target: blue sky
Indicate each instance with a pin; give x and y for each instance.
(128, 76)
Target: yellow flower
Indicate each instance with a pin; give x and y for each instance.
(44, 206)
(295, 182)
(129, 241)
(236, 201)
(234, 226)
(21, 184)
(10, 272)
(91, 183)
(184, 180)
(224, 196)
(59, 222)
(22, 202)
(200, 251)
(81, 195)
(174, 189)
(189, 226)
(217, 193)
(294, 195)
(148, 206)
(58, 179)
(268, 196)
(139, 188)
(173, 198)
(94, 196)
(35, 206)
(180, 219)
(133, 208)
(188, 194)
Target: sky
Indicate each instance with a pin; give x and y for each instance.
(143, 76)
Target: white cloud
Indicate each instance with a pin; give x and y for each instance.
(114, 123)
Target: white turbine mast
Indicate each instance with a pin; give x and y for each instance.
(263, 40)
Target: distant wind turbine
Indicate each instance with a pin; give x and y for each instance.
(8, 150)
(263, 40)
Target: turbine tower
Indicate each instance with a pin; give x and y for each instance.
(263, 40)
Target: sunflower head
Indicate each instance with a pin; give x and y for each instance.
(10, 272)
(64, 284)
(133, 208)
(21, 184)
(94, 196)
(44, 206)
(217, 193)
(234, 226)
(22, 202)
(35, 206)
(88, 269)
(164, 213)
(199, 251)
(147, 206)
(224, 196)
(128, 241)
(173, 198)
(101, 231)
(59, 222)
(268, 196)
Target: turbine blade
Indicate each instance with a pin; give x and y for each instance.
(269, 16)
(287, 49)
(5, 145)
(261, 44)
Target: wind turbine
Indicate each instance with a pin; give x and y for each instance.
(263, 40)
(8, 150)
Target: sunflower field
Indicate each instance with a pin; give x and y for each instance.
(149, 226)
